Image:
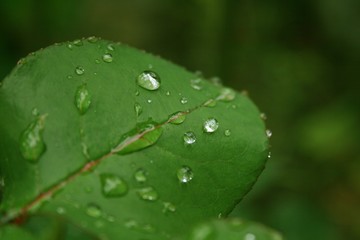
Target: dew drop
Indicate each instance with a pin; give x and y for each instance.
(210, 125)
(112, 185)
(92, 39)
(69, 46)
(82, 99)
(110, 47)
(107, 58)
(210, 103)
(268, 133)
(168, 207)
(177, 118)
(149, 101)
(60, 210)
(203, 232)
(216, 81)
(249, 236)
(227, 132)
(131, 224)
(167, 93)
(138, 109)
(93, 210)
(79, 70)
(197, 83)
(269, 155)
(227, 95)
(183, 100)
(263, 116)
(69, 76)
(35, 112)
(189, 138)
(32, 144)
(148, 80)
(148, 194)
(78, 42)
(97, 61)
(137, 93)
(185, 174)
(140, 175)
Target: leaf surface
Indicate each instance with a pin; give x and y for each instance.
(118, 159)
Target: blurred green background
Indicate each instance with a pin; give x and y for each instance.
(299, 60)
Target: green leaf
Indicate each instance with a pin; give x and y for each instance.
(232, 229)
(132, 146)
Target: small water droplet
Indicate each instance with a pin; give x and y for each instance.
(227, 132)
(149, 101)
(110, 47)
(93, 210)
(249, 236)
(138, 109)
(168, 207)
(131, 224)
(97, 61)
(210, 125)
(150, 66)
(82, 99)
(112, 185)
(32, 144)
(35, 112)
(167, 93)
(185, 174)
(203, 232)
(148, 194)
(227, 95)
(78, 42)
(269, 155)
(189, 138)
(183, 100)
(197, 83)
(216, 81)
(60, 210)
(70, 46)
(140, 175)
(233, 106)
(149, 80)
(69, 76)
(263, 116)
(210, 103)
(137, 93)
(268, 133)
(79, 70)
(92, 39)
(177, 118)
(107, 58)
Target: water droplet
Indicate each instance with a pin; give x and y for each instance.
(189, 138)
(269, 155)
(60, 210)
(149, 80)
(150, 66)
(210, 103)
(227, 132)
(69, 46)
(140, 175)
(227, 95)
(107, 58)
(110, 47)
(177, 118)
(249, 236)
(138, 109)
(263, 116)
(268, 133)
(203, 232)
(32, 144)
(216, 81)
(149, 101)
(110, 218)
(148, 194)
(131, 224)
(69, 76)
(35, 112)
(112, 185)
(210, 125)
(93, 210)
(97, 61)
(233, 106)
(92, 39)
(78, 42)
(185, 174)
(197, 83)
(183, 100)
(82, 99)
(167, 93)
(143, 135)
(137, 93)
(79, 70)
(168, 207)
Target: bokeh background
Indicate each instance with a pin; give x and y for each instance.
(299, 60)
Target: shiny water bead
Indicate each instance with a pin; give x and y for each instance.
(149, 80)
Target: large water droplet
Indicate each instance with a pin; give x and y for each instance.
(185, 174)
(183, 100)
(112, 185)
(79, 70)
(177, 118)
(140, 175)
(148, 80)
(148, 194)
(138, 109)
(268, 133)
(107, 58)
(110, 47)
(227, 94)
(197, 83)
(189, 138)
(227, 132)
(168, 207)
(92, 39)
(143, 135)
(32, 144)
(78, 42)
(210, 125)
(93, 210)
(82, 99)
